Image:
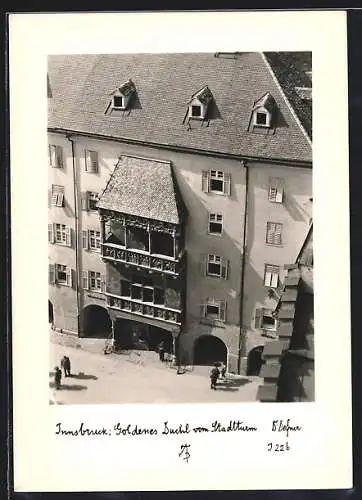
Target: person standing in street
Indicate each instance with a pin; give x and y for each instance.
(214, 375)
(161, 350)
(66, 366)
(57, 377)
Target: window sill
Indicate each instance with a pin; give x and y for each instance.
(275, 202)
(215, 234)
(213, 322)
(275, 245)
(214, 276)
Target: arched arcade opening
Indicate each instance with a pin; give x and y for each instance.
(255, 361)
(95, 322)
(208, 349)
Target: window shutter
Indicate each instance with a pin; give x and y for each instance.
(91, 161)
(68, 236)
(84, 200)
(278, 234)
(85, 280)
(224, 268)
(267, 278)
(59, 156)
(279, 195)
(227, 184)
(103, 283)
(258, 317)
(85, 239)
(53, 155)
(203, 264)
(94, 161)
(69, 276)
(107, 228)
(52, 274)
(274, 280)
(54, 199)
(60, 200)
(222, 310)
(205, 181)
(203, 310)
(51, 233)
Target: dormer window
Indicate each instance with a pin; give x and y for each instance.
(121, 97)
(199, 103)
(196, 111)
(118, 102)
(261, 118)
(263, 112)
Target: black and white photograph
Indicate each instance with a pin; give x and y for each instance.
(192, 171)
(180, 227)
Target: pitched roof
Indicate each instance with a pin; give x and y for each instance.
(81, 85)
(134, 188)
(292, 69)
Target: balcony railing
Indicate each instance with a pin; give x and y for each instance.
(142, 259)
(159, 312)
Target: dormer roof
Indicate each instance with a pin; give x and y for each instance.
(203, 95)
(267, 102)
(125, 89)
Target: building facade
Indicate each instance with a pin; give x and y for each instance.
(175, 198)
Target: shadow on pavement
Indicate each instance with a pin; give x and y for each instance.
(237, 382)
(84, 376)
(79, 376)
(67, 387)
(226, 388)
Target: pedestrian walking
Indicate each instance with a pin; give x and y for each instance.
(57, 377)
(66, 366)
(214, 375)
(161, 351)
(222, 369)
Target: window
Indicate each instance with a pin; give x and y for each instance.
(216, 181)
(60, 234)
(55, 156)
(216, 266)
(196, 111)
(57, 196)
(265, 320)
(271, 276)
(136, 292)
(214, 310)
(95, 282)
(91, 161)
(94, 240)
(274, 233)
(92, 200)
(91, 240)
(215, 223)
(276, 190)
(60, 274)
(261, 118)
(117, 101)
(89, 200)
(125, 288)
(142, 292)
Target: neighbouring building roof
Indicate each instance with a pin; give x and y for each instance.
(80, 86)
(292, 70)
(295, 311)
(134, 188)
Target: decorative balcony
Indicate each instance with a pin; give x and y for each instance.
(157, 312)
(145, 260)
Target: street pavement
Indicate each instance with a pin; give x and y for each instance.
(138, 377)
